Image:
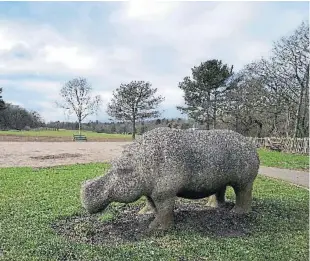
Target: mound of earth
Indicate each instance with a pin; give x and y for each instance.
(128, 226)
(58, 156)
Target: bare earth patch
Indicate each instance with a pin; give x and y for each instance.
(19, 138)
(129, 227)
(59, 156)
(45, 154)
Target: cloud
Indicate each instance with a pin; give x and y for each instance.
(70, 57)
(106, 96)
(41, 87)
(50, 111)
(15, 103)
(189, 28)
(46, 51)
(50, 52)
(113, 43)
(252, 50)
(146, 10)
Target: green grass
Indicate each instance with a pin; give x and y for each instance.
(63, 133)
(283, 160)
(30, 200)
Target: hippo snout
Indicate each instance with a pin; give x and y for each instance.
(92, 200)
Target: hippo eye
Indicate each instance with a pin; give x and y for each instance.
(125, 168)
(126, 171)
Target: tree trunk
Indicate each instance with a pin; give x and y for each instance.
(305, 116)
(214, 111)
(208, 112)
(298, 113)
(274, 127)
(134, 128)
(260, 128)
(287, 125)
(237, 118)
(79, 126)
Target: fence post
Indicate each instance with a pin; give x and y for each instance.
(291, 145)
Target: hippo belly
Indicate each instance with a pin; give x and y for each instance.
(192, 194)
(198, 192)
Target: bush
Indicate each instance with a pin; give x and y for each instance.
(99, 129)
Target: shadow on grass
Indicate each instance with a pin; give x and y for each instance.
(126, 226)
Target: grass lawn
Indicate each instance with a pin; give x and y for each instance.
(31, 200)
(63, 133)
(283, 160)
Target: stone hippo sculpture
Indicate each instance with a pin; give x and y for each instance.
(167, 163)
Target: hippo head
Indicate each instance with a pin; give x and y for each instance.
(115, 185)
(94, 195)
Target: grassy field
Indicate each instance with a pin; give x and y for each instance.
(283, 160)
(31, 200)
(62, 133)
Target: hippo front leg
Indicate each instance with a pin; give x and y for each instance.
(164, 217)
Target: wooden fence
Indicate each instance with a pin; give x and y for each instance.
(291, 145)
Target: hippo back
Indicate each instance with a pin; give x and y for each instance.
(197, 160)
(199, 154)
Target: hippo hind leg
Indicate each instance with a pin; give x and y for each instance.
(217, 199)
(164, 217)
(149, 207)
(243, 198)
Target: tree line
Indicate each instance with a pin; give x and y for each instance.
(267, 97)
(122, 127)
(18, 118)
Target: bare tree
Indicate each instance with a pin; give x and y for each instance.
(245, 106)
(134, 101)
(291, 55)
(286, 76)
(77, 99)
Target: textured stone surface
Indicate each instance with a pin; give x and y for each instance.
(167, 163)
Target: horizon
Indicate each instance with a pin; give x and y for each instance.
(45, 44)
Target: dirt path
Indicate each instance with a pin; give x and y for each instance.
(43, 154)
(19, 138)
(300, 178)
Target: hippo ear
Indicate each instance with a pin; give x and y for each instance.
(126, 161)
(123, 163)
(126, 164)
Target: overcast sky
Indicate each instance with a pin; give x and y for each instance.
(45, 44)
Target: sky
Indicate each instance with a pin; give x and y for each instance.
(45, 44)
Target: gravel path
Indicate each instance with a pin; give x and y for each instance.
(43, 154)
(300, 178)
